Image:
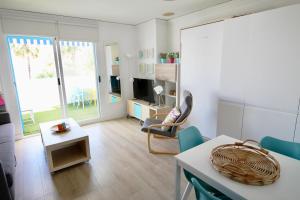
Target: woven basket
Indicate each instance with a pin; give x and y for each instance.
(246, 164)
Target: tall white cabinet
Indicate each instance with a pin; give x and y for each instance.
(259, 82)
(200, 74)
(260, 68)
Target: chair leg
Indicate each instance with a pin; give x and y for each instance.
(187, 191)
(157, 152)
(163, 137)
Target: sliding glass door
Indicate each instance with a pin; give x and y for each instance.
(79, 76)
(35, 75)
(53, 80)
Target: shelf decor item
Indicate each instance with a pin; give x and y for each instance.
(171, 57)
(177, 59)
(163, 58)
(246, 164)
(2, 103)
(150, 68)
(159, 90)
(117, 60)
(142, 68)
(141, 54)
(172, 92)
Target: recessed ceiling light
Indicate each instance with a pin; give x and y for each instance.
(168, 14)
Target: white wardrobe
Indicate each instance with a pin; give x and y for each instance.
(257, 85)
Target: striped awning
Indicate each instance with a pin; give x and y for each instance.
(75, 43)
(44, 41)
(29, 40)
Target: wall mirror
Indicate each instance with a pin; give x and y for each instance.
(112, 55)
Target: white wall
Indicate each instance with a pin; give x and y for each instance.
(219, 12)
(8, 86)
(146, 39)
(125, 37)
(151, 35)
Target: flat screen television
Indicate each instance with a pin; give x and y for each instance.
(115, 84)
(143, 89)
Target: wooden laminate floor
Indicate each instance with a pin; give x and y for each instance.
(120, 168)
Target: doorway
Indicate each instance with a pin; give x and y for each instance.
(53, 80)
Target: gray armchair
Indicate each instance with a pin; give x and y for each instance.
(153, 126)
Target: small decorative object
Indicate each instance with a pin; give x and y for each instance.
(152, 52)
(150, 68)
(117, 60)
(141, 54)
(60, 128)
(172, 92)
(142, 68)
(159, 90)
(171, 57)
(2, 103)
(245, 163)
(177, 59)
(163, 58)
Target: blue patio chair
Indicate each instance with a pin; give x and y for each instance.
(77, 97)
(189, 138)
(290, 149)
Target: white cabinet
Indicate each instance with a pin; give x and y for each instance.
(230, 119)
(235, 58)
(259, 122)
(272, 77)
(200, 74)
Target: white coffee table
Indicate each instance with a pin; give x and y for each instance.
(65, 149)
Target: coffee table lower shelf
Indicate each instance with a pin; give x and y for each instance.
(66, 155)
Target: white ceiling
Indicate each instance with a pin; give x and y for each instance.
(121, 11)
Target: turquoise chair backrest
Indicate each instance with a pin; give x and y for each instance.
(201, 192)
(290, 149)
(189, 138)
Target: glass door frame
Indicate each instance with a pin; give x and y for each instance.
(12, 71)
(62, 85)
(59, 76)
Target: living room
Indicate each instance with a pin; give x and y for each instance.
(149, 99)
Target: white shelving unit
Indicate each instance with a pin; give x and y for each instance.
(167, 76)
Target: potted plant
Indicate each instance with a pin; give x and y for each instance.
(163, 57)
(171, 57)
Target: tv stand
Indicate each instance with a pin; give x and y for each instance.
(142, 109)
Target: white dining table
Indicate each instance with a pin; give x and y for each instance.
(197, 161)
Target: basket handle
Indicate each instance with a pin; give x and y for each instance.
(254, 141)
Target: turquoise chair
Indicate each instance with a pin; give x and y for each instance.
(189, 138)
(202, 193)
(290, 149)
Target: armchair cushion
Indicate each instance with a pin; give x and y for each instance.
(155, 130)
(171, 118)
(185, 109)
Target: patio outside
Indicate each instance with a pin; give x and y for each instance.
(36, 80)
(31, 125)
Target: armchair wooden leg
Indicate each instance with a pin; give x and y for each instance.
(163, 137)
(157, 152)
